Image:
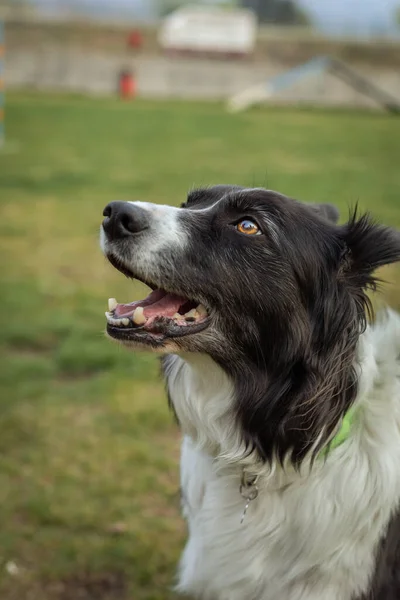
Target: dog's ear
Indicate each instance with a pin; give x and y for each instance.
(326, 211)
(369, 246)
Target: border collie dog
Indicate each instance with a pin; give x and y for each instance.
(286, 391)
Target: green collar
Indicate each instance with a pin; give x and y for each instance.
(344, 431)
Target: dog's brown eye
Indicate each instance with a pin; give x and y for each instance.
(248, 227)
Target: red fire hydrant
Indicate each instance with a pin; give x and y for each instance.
(127, 85)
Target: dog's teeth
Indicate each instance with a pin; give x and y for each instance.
(138, 316)
(192, 314)
(112, 304)
(116, 322)
(202, 310)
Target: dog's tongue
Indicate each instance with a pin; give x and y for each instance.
(158, 303)
(167, 306)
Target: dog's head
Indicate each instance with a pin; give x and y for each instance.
(272, 289)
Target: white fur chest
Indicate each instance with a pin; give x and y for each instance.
(306, 537)
(312, 540)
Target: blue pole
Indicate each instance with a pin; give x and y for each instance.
(2, 86)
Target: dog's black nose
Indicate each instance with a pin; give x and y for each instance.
(123, 219)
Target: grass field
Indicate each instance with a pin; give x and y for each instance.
(88, 451)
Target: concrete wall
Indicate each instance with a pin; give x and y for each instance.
(95, 72)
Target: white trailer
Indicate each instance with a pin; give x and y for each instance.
(209, 30)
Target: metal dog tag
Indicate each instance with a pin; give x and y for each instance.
(249, 491)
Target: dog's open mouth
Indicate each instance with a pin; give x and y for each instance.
(161, 315)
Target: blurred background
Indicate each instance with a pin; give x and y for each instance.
(143, 99)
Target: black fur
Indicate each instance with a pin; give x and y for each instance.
(287, 306)
(385, 584)
(291, 304)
